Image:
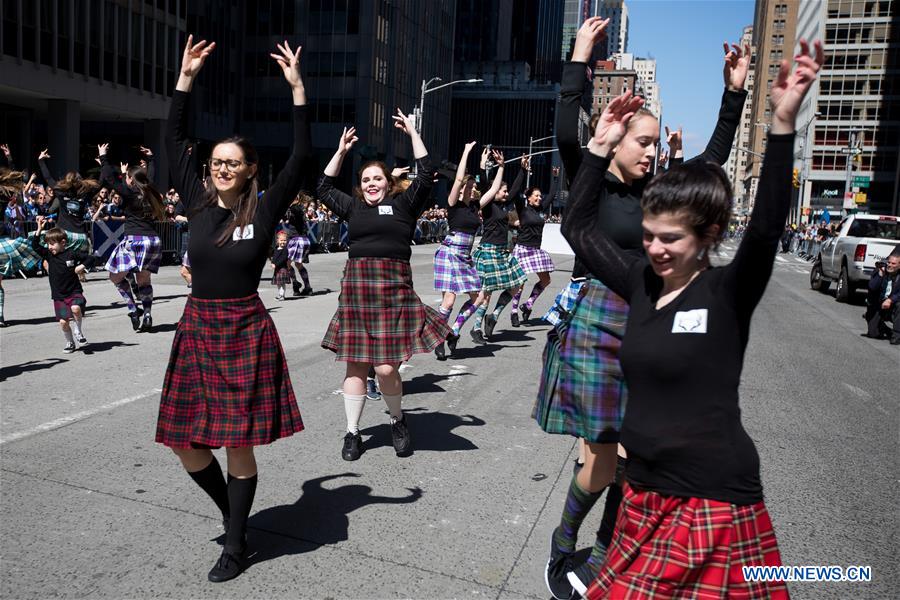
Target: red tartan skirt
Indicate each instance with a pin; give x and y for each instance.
(380, 319)
(668, 547)
(227, 383)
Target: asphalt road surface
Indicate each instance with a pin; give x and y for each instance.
(91, 506)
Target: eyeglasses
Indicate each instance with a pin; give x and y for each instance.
(232, 165)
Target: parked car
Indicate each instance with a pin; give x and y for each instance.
(849, 257)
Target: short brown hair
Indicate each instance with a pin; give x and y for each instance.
(55, 236)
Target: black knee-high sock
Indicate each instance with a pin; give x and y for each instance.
(240, 499)
(502, 301)
(146, 294)
(211, 480)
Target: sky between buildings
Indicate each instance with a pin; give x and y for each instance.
(685, 37)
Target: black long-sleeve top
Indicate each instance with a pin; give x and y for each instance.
(683, 361)
(495, 215)
(232, 270)
(463, 218)
(69, 208)
(280, 257)
(574, 79)
(296, 218)
(139, 218)
(531, 219)
(386, 229)
(61, 268)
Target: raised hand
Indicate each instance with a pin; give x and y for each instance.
(146, 151)
(468, 147)
(399, 172)
(404, 123)
(526, 163)
(589, 34)
(737, 64)
(484, 158)
(613, 122)
(194, 56)
(44, 154)
(663, 159)
(289, 61)
(674, 139)
(5, 149)
(498, 157)
(348, 138)
(123, 167)
(101, 149)
(788, 90)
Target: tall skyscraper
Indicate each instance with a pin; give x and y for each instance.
(739, 159)
(851, 143)
(617, 31)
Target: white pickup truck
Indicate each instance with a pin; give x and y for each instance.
(849, 258)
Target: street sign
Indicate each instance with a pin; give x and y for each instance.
(853, 151)
(849, 203)
(860, 198)
(861, 181)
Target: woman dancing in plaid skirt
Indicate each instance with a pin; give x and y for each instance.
(380, 319)
(299, 244)
(693, 513)
(140, 251)
(16, 253)
(72, 197)
(227, 383)
(454, 269)
(582, 390)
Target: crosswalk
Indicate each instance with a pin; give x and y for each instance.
(790, 263)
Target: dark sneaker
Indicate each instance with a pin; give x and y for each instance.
(490, 321)
(555, 573)
(441, 352)
(147, 323)
(136, 318)
(581, 578)
(352, 446)
(526, 313)
(296, 289)
(307, 291)
(227, 567)
(478, 337)
(372, 392)
(70, 348)
(400, 436)
(452, 340)
(81, 339)
(514, 318)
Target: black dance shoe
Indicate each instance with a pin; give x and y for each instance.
(400, 436)
(147, 323)
(490, 321)
(514, 318)
(307, 291)
(478, 337)
(136, 318)
(352, 446)
(526, 313)
(452, 340)
(228, 566)
(440, 352)
(556, 573)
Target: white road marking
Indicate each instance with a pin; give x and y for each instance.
(63, 421)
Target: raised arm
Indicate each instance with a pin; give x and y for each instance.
(518, 199)
(751, 267)
(288, 182)
(108, 173)
(456, 188)
(36, 239)
(605, 259)
(498, 181)
(547, 199)
(45, 170)
(7, 154)
(337, 201)
(419, 191)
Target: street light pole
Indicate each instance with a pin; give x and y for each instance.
(420, 110)
(531, 142)
(804, 171)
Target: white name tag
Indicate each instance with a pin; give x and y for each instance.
(243, 234)
(70, 263)
(690, 321)
(385, 210)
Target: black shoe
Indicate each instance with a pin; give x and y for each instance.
(452, 340)
(147, 323)
(70, 348)
(3, 323)
(296, 289)
(526, 313)
(81, 339)
(581, 578)
(490, 321)
(440, 352)
(478, 337)
(307, 291)
(514, 318)
(555, 573)
(400, 436)
(352, 446)
(136, 318)
(895, 342)
(227, 567)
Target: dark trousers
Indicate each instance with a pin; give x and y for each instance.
(878, 318)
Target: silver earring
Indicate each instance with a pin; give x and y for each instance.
(702, 253)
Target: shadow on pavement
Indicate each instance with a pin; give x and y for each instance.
(430, 432)
(427, 383)
(320, 516)
(95, 347)
(32, 365)
(164, 328)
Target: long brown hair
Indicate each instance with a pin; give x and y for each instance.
(74, 185)
(249, 199)
(393, 187)
(11, 183)
(151, 200)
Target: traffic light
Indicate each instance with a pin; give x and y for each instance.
(796, 179)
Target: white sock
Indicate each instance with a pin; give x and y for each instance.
(76, 327)
(280, 291)
(353, 406)
(393, 404)
(68, 334)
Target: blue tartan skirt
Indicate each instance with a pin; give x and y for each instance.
(498, 269)
(298, 249)
(454, 269)
(16, 254)
(136, 253)
(582, 389)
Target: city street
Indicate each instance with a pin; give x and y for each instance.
(91, 506)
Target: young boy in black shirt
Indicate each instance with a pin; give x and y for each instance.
(64, 267)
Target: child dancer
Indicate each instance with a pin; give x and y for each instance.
(282, 275)
(298, 246)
